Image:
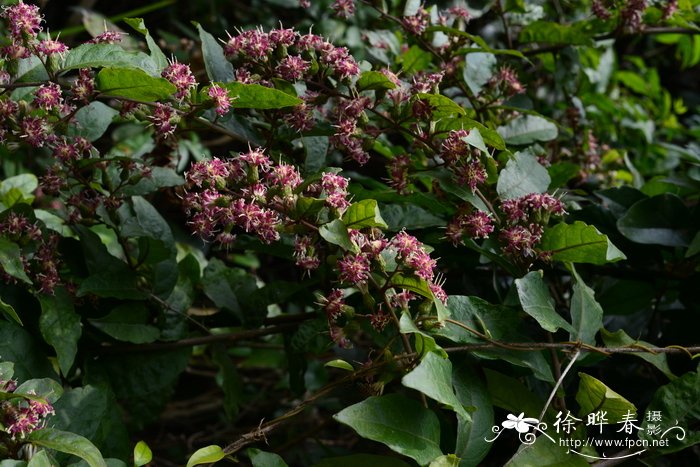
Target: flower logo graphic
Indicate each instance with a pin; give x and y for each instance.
(521, 423)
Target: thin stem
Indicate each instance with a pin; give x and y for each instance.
(559, 381)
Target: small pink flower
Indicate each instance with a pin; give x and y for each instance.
(164, 119)
(344, 8)
(353, 268)
(23, 19)
(36, 131)
(285, 175)
(333, 304)
(181, 77)
(256, 158)
(48, 96)
(84, 86)
(222, 101)
(50, 47)
(107, 37)
(292, 68)
(478, 224)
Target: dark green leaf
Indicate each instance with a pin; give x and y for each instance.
(218, 68)
(128, 322)
(69, 443)
(621, 339)
(11, 262)
(363, 214)
(472, 433)
(9, 312)
(133, 84)
(490, 137)
(157, 55)
(545, 453)
(579, 243)
(18, 346)
(40, 459)
(255, 96)
(265, 459)
(409, 216)
(412, 283)
(316, 149)
(116, 284)
(593, 396)
(336, 232)
(374, 81)
(60, 326)
(679, 403)
(521, 176)
(206, 455)
(44, 388)
(108, 55)
(442, 106)
(537, 302)
(92, 120)
(528, 129)
(586, 312)
(512, 395)
(402, 424)
(562, 172)
(160, 177)
(415, 59)
(231, 381)
(661, 220)
(433, 377)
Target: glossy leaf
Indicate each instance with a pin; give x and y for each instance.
(69, 443)
(471, 446)
(133, 84)
(9, 312)
(661, 220)
(60, 326)
(218, 68)
(521, 176)
(593, 396)
(255, 96)
(402, 424)
(433, 377)
(537, 302)
(374, 81)
(478, 70)
(128, 322)
(11, 262)
(265, 459)
(108, 55)
(336, 232)
(620, 338)
(579, 243)
(142, 454)
(363, 214)
(93, 120)
(206, 455)
(586, 312)
(157, 55)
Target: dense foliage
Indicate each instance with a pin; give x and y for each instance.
(373, 242)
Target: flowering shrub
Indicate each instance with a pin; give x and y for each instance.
(410, 224)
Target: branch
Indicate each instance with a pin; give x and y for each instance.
(573, 346)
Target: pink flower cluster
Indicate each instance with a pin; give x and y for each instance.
(335, 188)
(537, 207)
(477, 224)
(24, 24)
(23, 417)
(462, 159)
(181, 77)
(506, 80)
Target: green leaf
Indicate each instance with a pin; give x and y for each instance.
(586, 312)
(255, 96)
(160, 177)
(115, 284)
(594, 396)
(206, 455)
(412, 283)
(537, 302)
(146, 221)
(562, 172)
(44, 388)
(231, 381)
(661, 220)
(363, 214)
(316, 149)
(433, 377)
(498, 322)
(678, 402)
(448, 460)
(223, 285)
(142, 454)
(133, 84)
(694, 247)
(19, 347)
(9, 312)
(92, 121)
(579, 243)
(621, 339)
(511, 394)
(402, 424)
(528, 129)
(25, 184)
(471, 446)
(475, 139)
(409, 216)
(69, 443)
(521, 176)
(336, 232)
(374, 81)
(415, 59)
(545, 453)
(10, 260)
(108, 55)
(218, 68)
(478, 70)
(578, 33)
(442, 106)
(157, 55)
(127, 322)
(360, 460)
(490, 137)
(41, 459)
(60, 326)
(265, 459)
(104, 427)
(338, 363)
